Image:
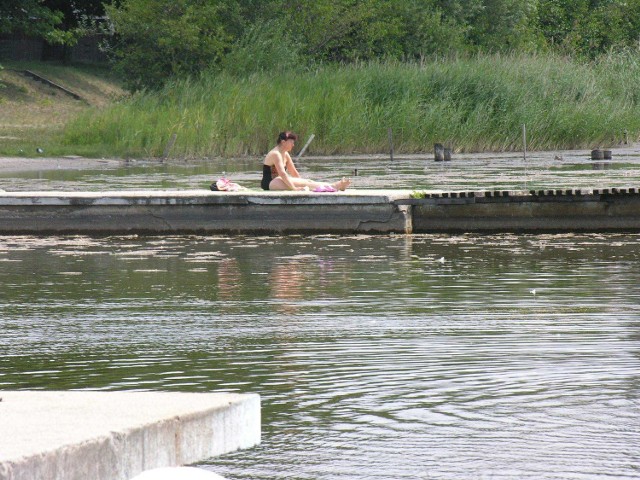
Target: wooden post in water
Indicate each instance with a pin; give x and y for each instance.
(390, 134)
(438, 152)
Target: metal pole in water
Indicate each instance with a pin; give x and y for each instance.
(169, 146)
(305, 146)
(524, 142)
(390, 133)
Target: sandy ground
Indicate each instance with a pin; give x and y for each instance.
(19, 164)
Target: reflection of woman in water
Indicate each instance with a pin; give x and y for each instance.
(229, 279)
(286, 281)
(279, 172)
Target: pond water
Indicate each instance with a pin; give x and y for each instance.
(566, 169)
(384, 357)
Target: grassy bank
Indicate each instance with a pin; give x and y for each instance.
(33, 115)
(474, 104)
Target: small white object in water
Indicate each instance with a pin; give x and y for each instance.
(440, 260)
(532, 291)
(178, 473)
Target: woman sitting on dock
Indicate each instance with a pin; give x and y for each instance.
(280, 173)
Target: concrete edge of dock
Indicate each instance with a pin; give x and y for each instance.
(77, 435)
(354, 211)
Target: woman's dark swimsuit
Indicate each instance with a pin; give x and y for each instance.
(268, 174)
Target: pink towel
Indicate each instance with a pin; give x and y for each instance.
(225, 185)
(324, 188)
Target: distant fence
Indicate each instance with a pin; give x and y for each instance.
(20, 47)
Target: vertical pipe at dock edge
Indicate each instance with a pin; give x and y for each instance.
(407, 213)
(524, 142)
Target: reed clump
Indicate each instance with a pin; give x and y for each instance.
(472, 104)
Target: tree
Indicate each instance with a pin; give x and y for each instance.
(263, 46)
(589, 28)
(60, 22)
(31, 17)
(501, 25)
(427, 29)
(344, 30)
(613, 24)
(78, 18)
(159, 39)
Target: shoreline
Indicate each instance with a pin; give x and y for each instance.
(28, 164)
(72, 162)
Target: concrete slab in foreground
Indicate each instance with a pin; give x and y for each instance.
(117, 435)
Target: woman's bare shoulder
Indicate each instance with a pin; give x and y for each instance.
(272, 157)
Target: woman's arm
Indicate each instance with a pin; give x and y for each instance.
(293, 171)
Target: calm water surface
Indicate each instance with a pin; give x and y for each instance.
(387, 357)
(566, 169)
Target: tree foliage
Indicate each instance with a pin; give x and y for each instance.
(56, 21)
(589, 27)
(32, 17)
(158, 39)
(78, 17)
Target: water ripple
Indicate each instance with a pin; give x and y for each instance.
(374, 359)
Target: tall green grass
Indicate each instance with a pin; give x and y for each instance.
(471, 104)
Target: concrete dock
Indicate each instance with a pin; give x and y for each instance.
(80, 435)
(353, 211)
(534, 211)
